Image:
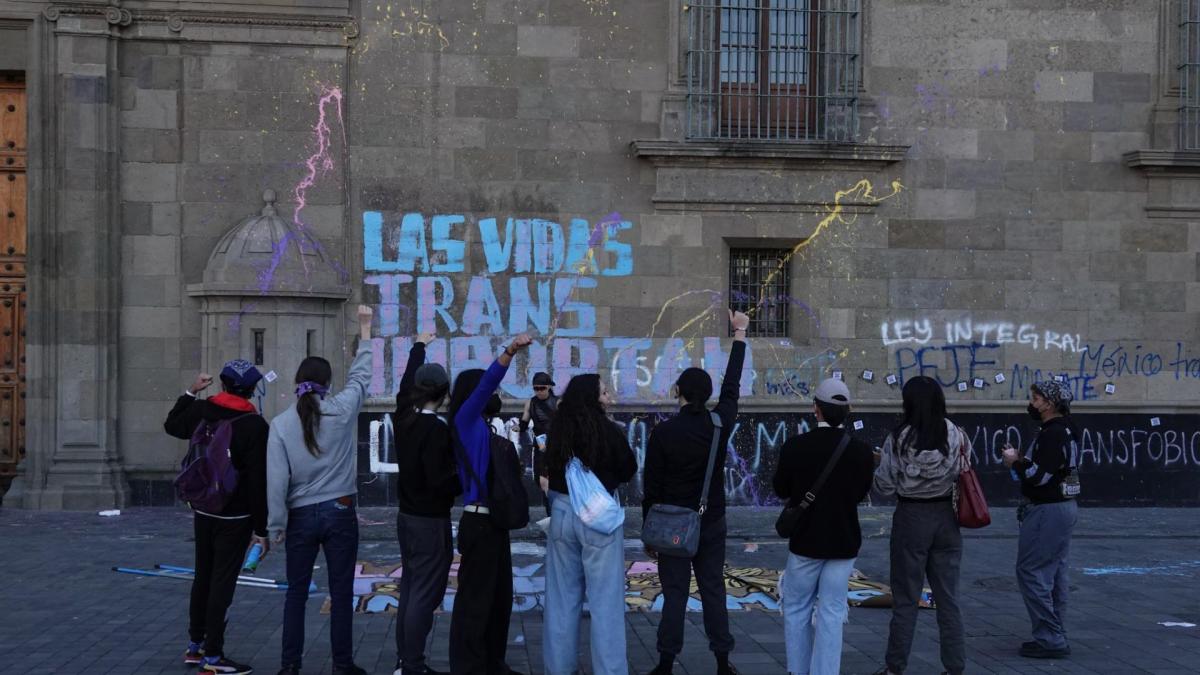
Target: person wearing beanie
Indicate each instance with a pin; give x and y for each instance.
(1047, 516)
(824, 544)
(427, 484)
(673, 473)
(221, 538)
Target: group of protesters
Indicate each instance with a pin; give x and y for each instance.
(296, 488)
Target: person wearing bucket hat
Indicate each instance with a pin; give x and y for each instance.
(539, 411)
(1047, 516)
(222, 537)
(426, 486)
(823, 545)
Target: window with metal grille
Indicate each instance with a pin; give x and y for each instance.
(760, 285)
(1189, 74)
(780, 70)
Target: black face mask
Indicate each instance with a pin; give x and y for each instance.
(1034, 413)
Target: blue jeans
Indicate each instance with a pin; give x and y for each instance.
(1042, 548)
(334, 527)
(583, 562)
(814, 643)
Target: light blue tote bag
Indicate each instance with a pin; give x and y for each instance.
(595, 506)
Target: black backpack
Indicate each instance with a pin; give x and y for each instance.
(507, 502)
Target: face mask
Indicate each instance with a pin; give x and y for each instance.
(1034, 413)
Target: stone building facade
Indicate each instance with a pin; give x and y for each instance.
(986, 192)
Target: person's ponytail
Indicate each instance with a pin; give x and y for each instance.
(312, 380)
(308, 407)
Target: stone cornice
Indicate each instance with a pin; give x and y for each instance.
(768, 155)
(176, 21)
(1173, 161)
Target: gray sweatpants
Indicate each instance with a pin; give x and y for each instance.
(926, 542)
(1042, 551)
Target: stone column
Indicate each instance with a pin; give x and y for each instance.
(71, 458)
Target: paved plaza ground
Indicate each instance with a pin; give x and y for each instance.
(63, 609)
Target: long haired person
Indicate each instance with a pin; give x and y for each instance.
(582, 563)
(920, 463)
(312, 466)
(426, 487)
(483, 600)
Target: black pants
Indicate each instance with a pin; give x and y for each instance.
(483, 600)
(426, 550)
(220, 550)
(676, 577)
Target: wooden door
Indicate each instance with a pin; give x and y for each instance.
(13, 212)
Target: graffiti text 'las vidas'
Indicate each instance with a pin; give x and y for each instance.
(550, 270)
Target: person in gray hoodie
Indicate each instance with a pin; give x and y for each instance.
(312, 465)
(920, 464)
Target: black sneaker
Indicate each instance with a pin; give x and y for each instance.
(348, 670)
(220, 664)
(194, 654)
(660, 670)
(1035, 650)
(289, 670)
(423, 670)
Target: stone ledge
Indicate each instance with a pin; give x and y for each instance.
(1174, 161)
(769, 154)
(1171, 177)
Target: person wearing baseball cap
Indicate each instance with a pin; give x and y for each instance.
(222, 537)
(427, 484)
(825, 541)
(539, 410)
(1047, 516)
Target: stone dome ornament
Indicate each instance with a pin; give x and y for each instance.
(265, 254)
(271, 294)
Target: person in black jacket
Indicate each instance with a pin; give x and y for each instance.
(428, 483)
(676, 459)
(539, 413)
(221, 539)
(1047, 517)
(583, 563)
(826, 541)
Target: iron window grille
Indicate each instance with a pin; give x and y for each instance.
(1189, 74)
(779, 70)
(760, 285)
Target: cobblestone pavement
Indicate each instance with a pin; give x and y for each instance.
(63, 610)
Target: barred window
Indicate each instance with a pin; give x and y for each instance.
(782, 70)
(1189, 74)
(760, 286)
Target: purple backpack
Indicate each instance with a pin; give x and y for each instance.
(208, 478)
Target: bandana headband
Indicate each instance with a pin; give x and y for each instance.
(312, 388)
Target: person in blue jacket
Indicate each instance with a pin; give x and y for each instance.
(483, 600)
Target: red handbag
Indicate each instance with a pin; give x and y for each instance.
(972, 506)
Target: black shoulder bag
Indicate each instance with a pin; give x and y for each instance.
(789, 520)
(675, 530)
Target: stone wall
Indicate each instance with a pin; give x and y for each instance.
(1015, 208)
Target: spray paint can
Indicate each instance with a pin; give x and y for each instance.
(253, 556)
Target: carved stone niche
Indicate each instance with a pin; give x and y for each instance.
(271, 295)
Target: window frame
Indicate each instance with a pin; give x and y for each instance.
(741, 295)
